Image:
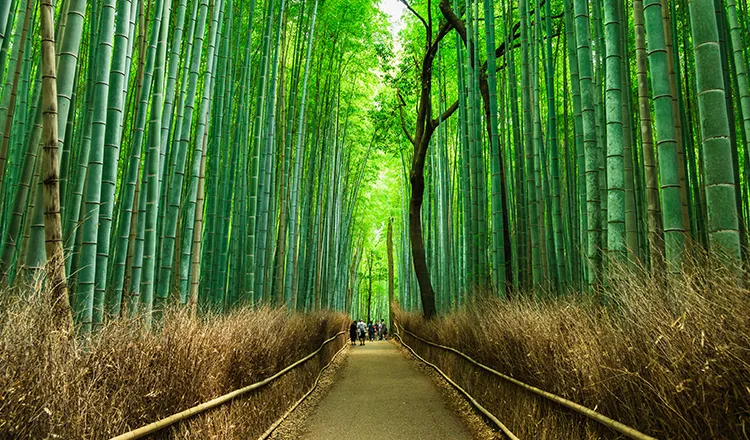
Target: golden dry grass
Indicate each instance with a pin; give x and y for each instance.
(671, 362)
(123, 378)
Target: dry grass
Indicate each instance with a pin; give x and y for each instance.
(123, 378)
(670, 362)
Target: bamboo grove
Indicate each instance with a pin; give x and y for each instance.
(223, 153)
(589, 137)
(205, 152)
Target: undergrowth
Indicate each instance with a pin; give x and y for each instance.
(672, 362)
(122, 377)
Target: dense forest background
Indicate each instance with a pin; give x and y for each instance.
(294, 153)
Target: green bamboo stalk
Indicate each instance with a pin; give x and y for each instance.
(261, 285)
(528, 127)
(112, 139)
(559, 249)
(88, 311)
(743, 85)
(293, 211)
(253, 196)
(11, 235)
(167, 252)
(217, 169)
(674, 229)
(522, 231)
(723, 230)
(588, 115)
(129, 201)
(5, 11)
(498, 244)
(72, 232)
(631, 222)
(537, 162)
(198, 159)
(580, 164)
(67, 68)
(655, 237)
(617, 245)
(159, 30)
(8, 104)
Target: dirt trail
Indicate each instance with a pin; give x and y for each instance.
(379, 394)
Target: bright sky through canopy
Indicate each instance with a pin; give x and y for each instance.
(395, 10)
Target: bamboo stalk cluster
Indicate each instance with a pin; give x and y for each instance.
(591, 136)
(210, 152)
(205, 152)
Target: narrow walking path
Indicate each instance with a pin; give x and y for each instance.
(379, 394)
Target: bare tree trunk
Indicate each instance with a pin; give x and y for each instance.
(425, 127)
(417, 241)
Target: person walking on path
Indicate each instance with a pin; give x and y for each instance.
(371, 331)
(353, 332)
(362, 328)
(381, 326)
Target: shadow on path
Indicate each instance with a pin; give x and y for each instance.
(379, 394)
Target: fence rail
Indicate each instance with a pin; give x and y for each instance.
(580, 409)
(171, 420)
(473, 401)
(278, 422)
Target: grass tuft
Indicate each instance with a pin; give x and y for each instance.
(123, 378)
(672, 362)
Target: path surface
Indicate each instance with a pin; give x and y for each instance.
(408, 405)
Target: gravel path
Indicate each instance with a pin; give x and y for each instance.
(379, 394)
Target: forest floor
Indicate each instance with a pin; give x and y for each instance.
(378, 392)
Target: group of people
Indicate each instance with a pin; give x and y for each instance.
(360, 330)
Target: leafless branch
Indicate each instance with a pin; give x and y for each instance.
(446, 114)
(403, 120)
(416, 14)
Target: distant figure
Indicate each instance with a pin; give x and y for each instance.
(353, 332)
(371, 331)
(362, 328)
(385, 331)
(381, 327)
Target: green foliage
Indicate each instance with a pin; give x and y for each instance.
(257, 150)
